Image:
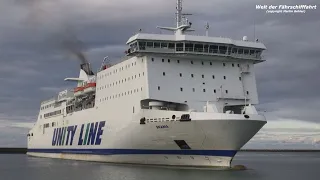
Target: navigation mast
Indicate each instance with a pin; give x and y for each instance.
(183, 24)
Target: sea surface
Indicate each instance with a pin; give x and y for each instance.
(261, 166)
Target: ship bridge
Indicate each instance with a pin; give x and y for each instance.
(180, 43)
(196, 45)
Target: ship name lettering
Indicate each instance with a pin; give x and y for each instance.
(162, 126)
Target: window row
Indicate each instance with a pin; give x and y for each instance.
(121, 81)
(51, 105)
(121, 94)
(192, 76)
(202, 62)
(52, 114)
(203, 90)
(194, 47)
(117, 70)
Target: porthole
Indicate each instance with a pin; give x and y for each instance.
(163, 73)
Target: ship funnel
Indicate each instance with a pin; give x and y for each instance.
(87, 69)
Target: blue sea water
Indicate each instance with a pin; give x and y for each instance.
(261, 166)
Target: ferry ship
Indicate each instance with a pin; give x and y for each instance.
(176, 99)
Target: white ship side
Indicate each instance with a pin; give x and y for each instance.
(176, 99)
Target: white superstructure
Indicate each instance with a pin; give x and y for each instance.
(175, 100)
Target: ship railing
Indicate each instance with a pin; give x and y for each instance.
(53, 98)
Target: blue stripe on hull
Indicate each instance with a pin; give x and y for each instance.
(227, 153)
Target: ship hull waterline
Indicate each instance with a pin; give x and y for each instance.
(212, 143)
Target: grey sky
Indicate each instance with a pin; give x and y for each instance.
(33, 65)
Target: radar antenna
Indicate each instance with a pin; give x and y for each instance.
(183, 24)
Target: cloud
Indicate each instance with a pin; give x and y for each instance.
(286, 133)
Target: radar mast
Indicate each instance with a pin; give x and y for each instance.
(183, 24)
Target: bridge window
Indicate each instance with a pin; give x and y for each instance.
(189, 47)
(223, 49)
(150, 44)
(206, 48)
(240, 51)
(213, 49)
(251, 52)
(246, 51)
(198, 47)
(156, 45)
(171, 45)
(179, 47)
(229, 50)
(164, 45)
(258, 53)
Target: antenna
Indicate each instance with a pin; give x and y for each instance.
(254, 29)
(207, 28)
(179, 13)
(183, 24)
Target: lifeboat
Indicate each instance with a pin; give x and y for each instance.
(78, 91)
(90, 87)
